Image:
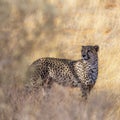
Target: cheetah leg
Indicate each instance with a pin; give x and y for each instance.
(44, 92)
(84, 95)
(84, 90)
(47, 86)
(89, 89)
(89, 86)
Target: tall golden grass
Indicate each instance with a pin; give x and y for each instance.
(30, 29)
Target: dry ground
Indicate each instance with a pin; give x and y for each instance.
(30, 29)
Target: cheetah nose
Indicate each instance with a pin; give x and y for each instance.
(84, 55)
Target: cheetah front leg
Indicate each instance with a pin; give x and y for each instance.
(84, 90)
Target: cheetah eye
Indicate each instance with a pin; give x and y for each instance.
(88, 50)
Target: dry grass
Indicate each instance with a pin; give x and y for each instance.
(55, 28)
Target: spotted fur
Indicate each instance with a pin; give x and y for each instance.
(80, 73)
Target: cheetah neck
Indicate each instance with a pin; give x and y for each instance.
(84, 68)
(92, 66)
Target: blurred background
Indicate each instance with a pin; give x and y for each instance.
(31, 29)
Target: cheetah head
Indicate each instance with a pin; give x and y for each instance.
(89, 51)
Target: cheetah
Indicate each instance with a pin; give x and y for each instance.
(81, 73)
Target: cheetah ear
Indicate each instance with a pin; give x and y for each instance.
(83, 46)
(96, 47)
